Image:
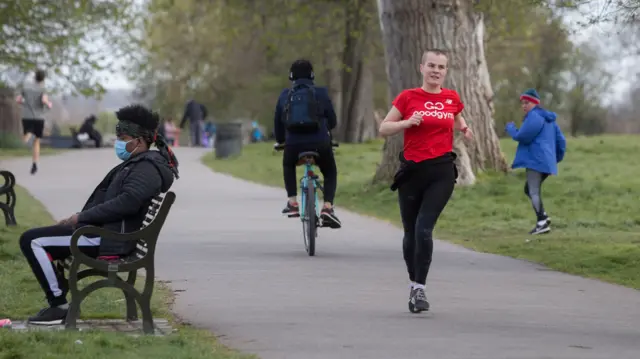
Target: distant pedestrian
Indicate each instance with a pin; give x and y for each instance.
(195, 113)
(541, 146)
(170, 131)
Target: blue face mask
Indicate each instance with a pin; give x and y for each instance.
(121, 149)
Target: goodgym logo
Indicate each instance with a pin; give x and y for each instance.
(434, 109)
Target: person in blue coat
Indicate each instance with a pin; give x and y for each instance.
(541, 146)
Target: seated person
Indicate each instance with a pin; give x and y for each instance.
(90, 131)
(119, 203)
(298, 141)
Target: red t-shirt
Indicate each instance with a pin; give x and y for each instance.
(434, 136)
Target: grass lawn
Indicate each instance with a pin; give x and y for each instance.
(21, 297)
(593, 204)
(6, 153)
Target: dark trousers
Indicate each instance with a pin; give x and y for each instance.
(422, 198)
(43, 245)
(195, 128)
(326, 163)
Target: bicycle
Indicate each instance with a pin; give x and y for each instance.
(309, 184)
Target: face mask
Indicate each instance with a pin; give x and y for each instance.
(121, 149)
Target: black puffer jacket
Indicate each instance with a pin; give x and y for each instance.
(121, 200)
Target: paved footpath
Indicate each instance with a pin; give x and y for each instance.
(242, 272)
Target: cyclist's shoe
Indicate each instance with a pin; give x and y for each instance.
(329, 218)
(291, 210)
(418, 301)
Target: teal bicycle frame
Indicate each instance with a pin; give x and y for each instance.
(309, 175)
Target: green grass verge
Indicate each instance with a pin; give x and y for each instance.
(593, 204)
(7, 153)
(21, 297)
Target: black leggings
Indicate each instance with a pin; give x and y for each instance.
(533, 190)
(41, 246)
(326, 163)
(422, 198)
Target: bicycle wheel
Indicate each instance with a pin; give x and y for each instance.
(309, 221)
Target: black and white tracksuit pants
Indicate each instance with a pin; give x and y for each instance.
(41, 246)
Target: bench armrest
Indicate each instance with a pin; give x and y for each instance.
(103, 233)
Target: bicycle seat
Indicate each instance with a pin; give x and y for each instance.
(308, 154)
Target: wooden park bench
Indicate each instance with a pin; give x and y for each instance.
(143, 257)
(8, 205)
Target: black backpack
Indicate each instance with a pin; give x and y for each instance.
(302, 110)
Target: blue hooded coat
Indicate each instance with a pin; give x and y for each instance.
(541, 144)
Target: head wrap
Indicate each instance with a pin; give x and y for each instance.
(151, 137)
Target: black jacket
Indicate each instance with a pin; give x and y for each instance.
(328, 119)
(193, 112)
(408, 168)
(119, 203)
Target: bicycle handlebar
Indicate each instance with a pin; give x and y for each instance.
(280, 146)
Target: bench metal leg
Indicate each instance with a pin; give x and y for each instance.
(9, 216)
(132, 310)
(76, 298)
(133, 297)
(145, 300)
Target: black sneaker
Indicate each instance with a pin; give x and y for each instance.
(329, 218)
(34, 168)
(541, 227)
(418, 301)
(49, 316)
(291, 210)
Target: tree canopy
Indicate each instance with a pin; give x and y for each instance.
(71, 39)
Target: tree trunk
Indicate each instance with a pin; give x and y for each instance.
(9, 113)
(357, 100)
(367, 127)
(411, 26)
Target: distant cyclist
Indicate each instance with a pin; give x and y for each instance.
(304, 117)
(428, 116)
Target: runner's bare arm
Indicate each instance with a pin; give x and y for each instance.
(46, 101)
(392, 123)
(460, 123)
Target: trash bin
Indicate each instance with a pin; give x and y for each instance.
(228, 139)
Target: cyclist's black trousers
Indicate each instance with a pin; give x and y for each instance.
(422, 198)
(326, 163)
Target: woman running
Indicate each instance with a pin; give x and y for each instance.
(541, 146)
(427, 174)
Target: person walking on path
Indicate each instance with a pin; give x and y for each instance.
(541, 146)
(428, 116)
(34, 102)
(195, 113)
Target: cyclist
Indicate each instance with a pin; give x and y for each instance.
(427, 115)
(306, 128)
